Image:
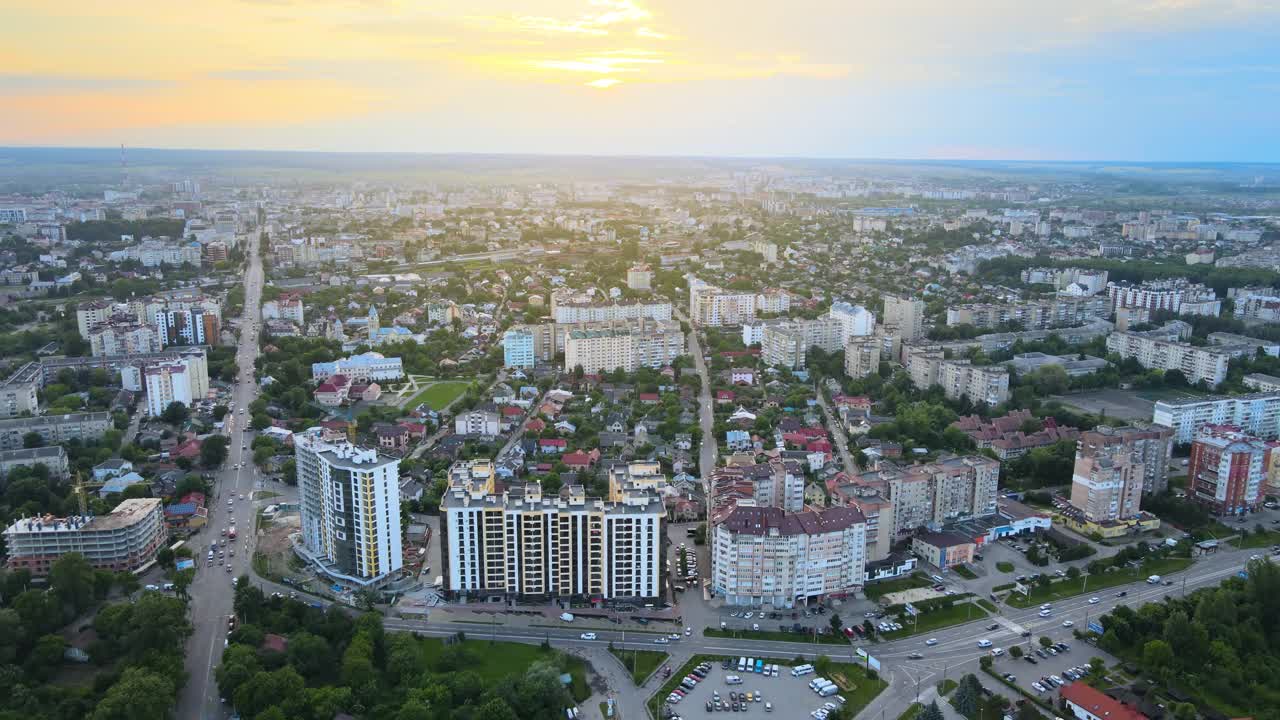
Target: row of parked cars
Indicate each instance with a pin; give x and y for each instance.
(737, 701)
(689, 682)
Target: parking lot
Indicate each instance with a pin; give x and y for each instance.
(783, 696)
(1047, 664)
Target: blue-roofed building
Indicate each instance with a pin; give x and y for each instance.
(369, 366)
(737, 439)
(118, 484)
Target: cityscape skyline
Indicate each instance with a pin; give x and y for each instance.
(1097, 81)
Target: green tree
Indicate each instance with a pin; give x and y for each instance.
(1016, 651)
(967, 696)
(32, 440)
(71, 579)
(213, 451)
(1045, 641)
(931, 712)
(128, 582)
(496, 709)
(175, 413)
(139, 694)
(46, 656)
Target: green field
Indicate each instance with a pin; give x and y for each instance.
(641, 663)
(1092, 583)
(965, 572)
(1254, 540)
(1004, 567)
(928, 622)
(878, 589)
(494, 661)
(438, 395)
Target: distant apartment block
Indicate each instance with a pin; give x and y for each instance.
(514, 541)
(1260, 304)
(1198, 364)
(1262, 383)
(712, 306)
(192, 326)
(906, 315)
(569, 307)
(862, 356)
(952, 488)
(622, 345)
(786, 343)
(13, 216)
(1168, 295)
(1015, 434)
(54, 429)
(184, 380)
(639, 277)
(19, 393)
(287, 307)
(123, 540)
(1227, 472)
(123, 337)
(365, 367)
(928, 366)
(855, 320)
(1257, 414)
(1038, 315)
(524, 346)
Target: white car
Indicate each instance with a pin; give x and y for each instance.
(984, 643)
(688, 631)
(660, 641)
(1067, 623)
(1046, 606)
(588, 636)
(931, 642)
(1037, 687)
(1046, 613)
(1094, 600)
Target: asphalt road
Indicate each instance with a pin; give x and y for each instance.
(211, 591)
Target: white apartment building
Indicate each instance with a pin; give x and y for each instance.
(907, 315)
(855, 320)
(19, 393)
(951, 488)
(862, 356)
(349, 499)
(1155, 353)
(286, 308)
(54, 429)
(639, 277)
(518, 542)
(569, 307)
(711, 306)
(123, 338)
(604, 347)
(786, 343)
(928, 366)
(1257, 414)
(185, 380)
(481, 421)
(95, 312)
(1160, 295)
(766, 556)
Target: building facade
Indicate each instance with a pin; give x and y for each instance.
(952, 488)
(1227, 472)
(365, 367)
(862, 356)
(1197, 364)
(53, 457)
(1257, 414)
(855, 320)
(123, 540)
(786, 343)
(1115, 467)
(905, 314)
(54, 429)
(19, 393)
(604, 347)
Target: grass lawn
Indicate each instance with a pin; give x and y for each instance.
(775, 635)
(987, 605)
(495, 661)
(1005, 567)
(877, 589)
(440, 394)
(947, 686)
(1254, 540)
(911, 712)
(641, 663)
(1069, 588)
(930, 621)
(965, 572)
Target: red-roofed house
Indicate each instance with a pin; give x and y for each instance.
(509, 417)
(196, 498)
(552, 446)
(648, 398)
(1088, 703)
(189, 449)
(535, 425)
(417, 431)
(857, 402)
(331, 430)
(333, 392)
(725, 397)
(579, 460)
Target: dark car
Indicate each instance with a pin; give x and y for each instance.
(1122, 593)
(993, 626)
(1030, 659)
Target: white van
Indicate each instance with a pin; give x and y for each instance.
(742, 664)
(801, 670)
(828, 690)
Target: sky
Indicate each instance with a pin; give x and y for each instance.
(1143, 80)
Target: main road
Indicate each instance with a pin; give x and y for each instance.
(230, 506)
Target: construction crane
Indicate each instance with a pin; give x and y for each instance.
(80, 495)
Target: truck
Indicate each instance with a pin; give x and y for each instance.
(1153, 580)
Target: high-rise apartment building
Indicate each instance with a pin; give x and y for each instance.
(569, 307)
(855, 320)
(1167, 294)
(1257, 414)
(786, 343)
(1115, 467)
(514, 541)
(906, 314)
(349, 501)
(184, 380)
(123, 337)
(951, 488)
(517, 348)
(1197, 364)
(1228, 469)
(768, 556)
(862, 356)
(625, 345)
(928, 366)
(19, 393)
(712, 306)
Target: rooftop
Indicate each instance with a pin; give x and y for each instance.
(130, 512)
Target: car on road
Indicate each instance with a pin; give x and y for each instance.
(931, 642)
(1038, 687)
(984, 643)
(1045, 613)
(1067, 623)
(661, 641)
(915, 656)
(1031, 659)
(588, 636)
(1122, 593)
(688, 631)
(1094, 600)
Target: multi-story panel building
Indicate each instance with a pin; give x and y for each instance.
(124, 337)
(94, 312)
(123, 540)
(194, 326)
(767, 556)
(777, 483)
(349, 501)
(1228, 469)
(365, 367)
(53, 457)
(952, 488)
(19, 392)
(786, 343)
(1159, 294)
(54, 429)
(862, 356)
(517, 348)
(1115, 467)
(1197, 364)
(604, 347)
(905, 314)
(855, 320)
(480, 421)
(1038, 315)
(1257, 414)
(928, 366)
(712, 306)
(516, 542)
(569, 307)
(639, 277)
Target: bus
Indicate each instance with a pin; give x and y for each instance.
(232, 532)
